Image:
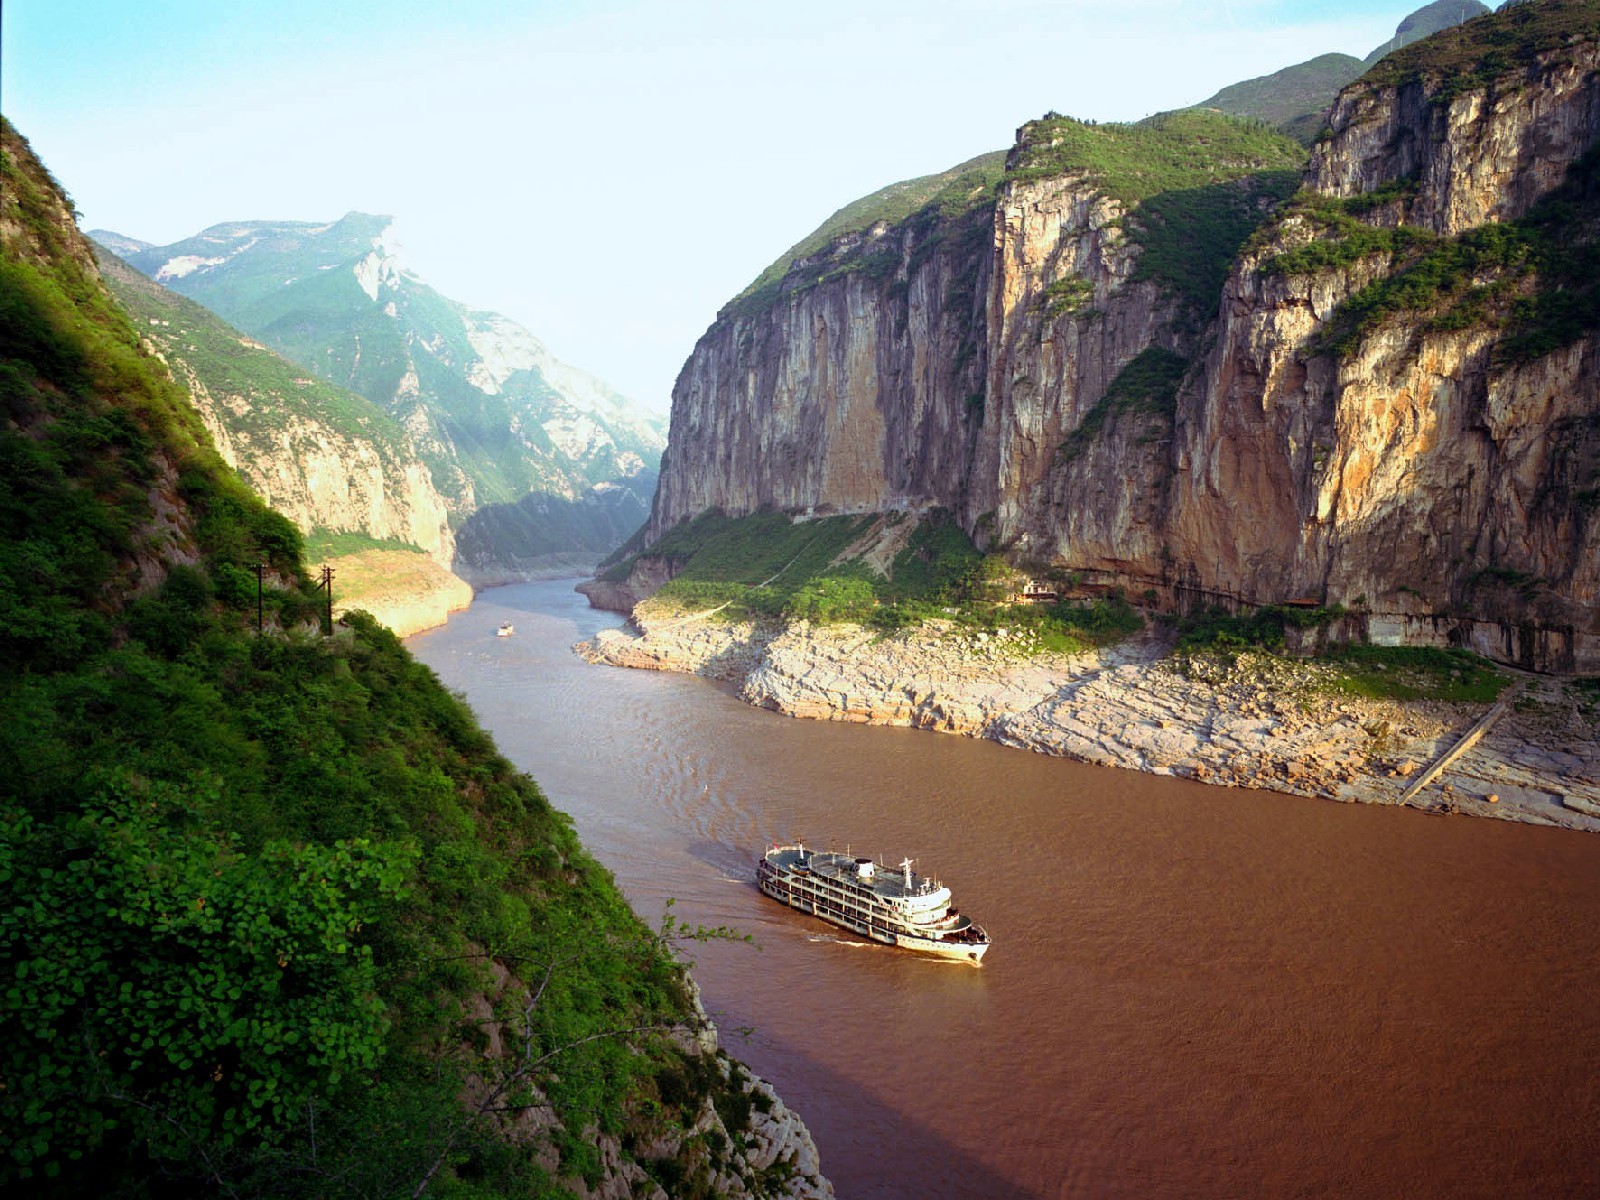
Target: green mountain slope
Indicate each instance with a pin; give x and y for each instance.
(1471, 55)
(268, 899)
(1426, 21)
(1295, 98)
(274, 418)
(1284, 95)
(948, 192)
(494, 415)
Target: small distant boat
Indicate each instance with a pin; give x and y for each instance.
(506, 630)
(898, 908)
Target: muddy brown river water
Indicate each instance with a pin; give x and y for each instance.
(1192, 992)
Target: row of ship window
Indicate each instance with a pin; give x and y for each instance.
(851, 909)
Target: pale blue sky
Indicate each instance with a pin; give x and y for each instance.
(607, 172)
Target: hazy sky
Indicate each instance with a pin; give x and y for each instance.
(607, 172)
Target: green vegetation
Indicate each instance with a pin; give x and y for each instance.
(1341, 239)
(1426, 21)
(945, 195)
(766, 547)
(327, 543)
(1491, 47)
(1375, 672)
(265, 900)
(1147, 385)
(1189, 237)
(767, 567)
(1175, 151)
(1214, 628)
(1295, 99)
(1284, 96)
(1195, 184)
(1064, 627)
(294, 286)
(1416, 673)
(1535, 280)
(539, 524)
(1068, 296)
(267, 391)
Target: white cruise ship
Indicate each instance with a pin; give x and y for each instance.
(897, 907)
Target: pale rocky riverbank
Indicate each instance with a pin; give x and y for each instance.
(1259, 721)
(405, 590)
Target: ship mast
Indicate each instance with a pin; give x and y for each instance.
(906, 866)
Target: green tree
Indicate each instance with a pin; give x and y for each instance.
(171, 990)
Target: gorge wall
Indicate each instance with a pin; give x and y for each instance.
(1385, 402)
(526, 456)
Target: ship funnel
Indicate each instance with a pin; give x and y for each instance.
(864, 868)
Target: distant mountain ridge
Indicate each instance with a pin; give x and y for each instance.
(330, 460)
(495, 416)
(1295, 98)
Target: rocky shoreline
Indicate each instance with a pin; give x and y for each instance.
(1251, 720)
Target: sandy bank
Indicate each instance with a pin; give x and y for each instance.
(407, 591)
(1259, 722)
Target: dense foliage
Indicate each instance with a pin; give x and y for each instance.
(1189, 237)
(266, 899)
(1535, 281)
(768, 566)
(1169, 152)
(1488, 47)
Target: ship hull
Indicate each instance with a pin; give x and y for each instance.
(816, 899)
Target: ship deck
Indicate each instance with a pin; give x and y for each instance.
(887, 882)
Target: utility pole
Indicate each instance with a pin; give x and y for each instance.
(260, 570)
(326, 584)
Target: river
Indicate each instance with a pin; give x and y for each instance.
(1192, 991)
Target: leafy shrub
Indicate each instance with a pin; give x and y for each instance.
(174, 987)
(1416, 673)
(831, 598)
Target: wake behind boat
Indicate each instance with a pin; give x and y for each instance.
(898, 908)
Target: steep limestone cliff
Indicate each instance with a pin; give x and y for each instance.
(850, 393)
(1366, 432)
(1384, 402)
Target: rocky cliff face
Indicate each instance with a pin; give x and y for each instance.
(1387, 402)
(1063, 319)
(1416, 470)
(329, 460)
(849, 394)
